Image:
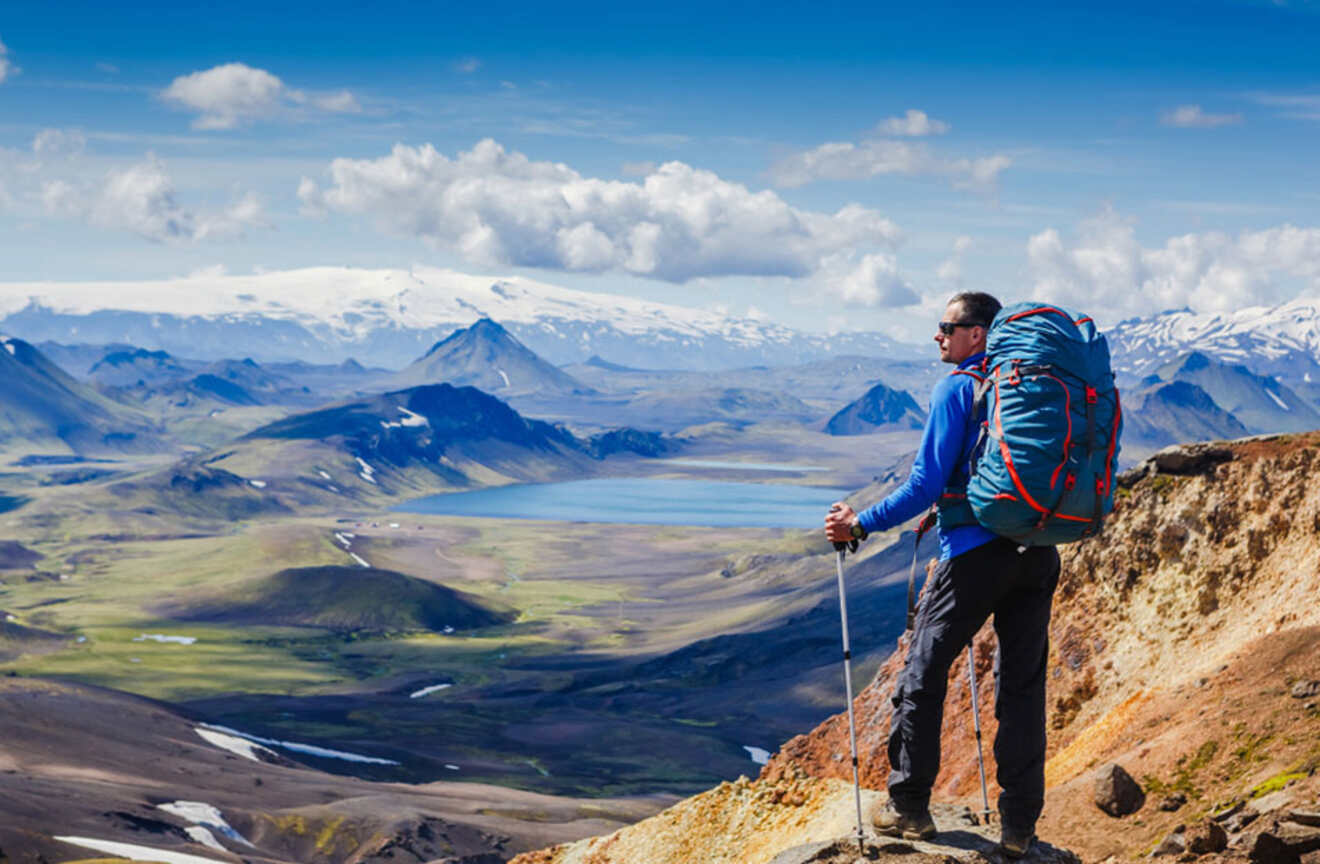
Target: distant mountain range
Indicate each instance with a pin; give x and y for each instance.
(390, 317)
(1260, 402)
(1283, 341)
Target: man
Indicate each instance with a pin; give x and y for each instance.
(979, 574)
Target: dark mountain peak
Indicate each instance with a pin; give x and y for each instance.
(877, 407)
(1151, 380)
(601, 363)
(484, 330)
(1183, 394)
(1195, 362)
(122, 358)
(41, 402)
(351, 365)
(21, 351)
(486, 355)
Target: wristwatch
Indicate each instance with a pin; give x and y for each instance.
(857, 531)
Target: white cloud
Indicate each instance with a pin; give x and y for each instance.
(233, 94)
(467, 65)
(1192, 117)
(342, 102)
(913, 124)
(950, 270)
(874, 281)
(141, 198)
(108, 68)
(6, 67)
(846, 160)
(500, 208)
(60, 198)
(1108, 273)
(59, 142)
(1297, 106)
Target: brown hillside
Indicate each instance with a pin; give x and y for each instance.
(1179, 640)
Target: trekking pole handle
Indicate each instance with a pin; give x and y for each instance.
(850, 546)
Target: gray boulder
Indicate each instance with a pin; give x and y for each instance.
(1285, 843)
(1116, 792)
(1305, 689)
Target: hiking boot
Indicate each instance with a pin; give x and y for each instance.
(1016, 844)
(892, 822)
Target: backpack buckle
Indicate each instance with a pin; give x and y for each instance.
(1070, 482)
(1091, 396)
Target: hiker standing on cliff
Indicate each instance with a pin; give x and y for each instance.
(979, 574)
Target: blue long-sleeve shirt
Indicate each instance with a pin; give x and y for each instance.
(946, 445)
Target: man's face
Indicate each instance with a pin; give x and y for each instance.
(963, 342)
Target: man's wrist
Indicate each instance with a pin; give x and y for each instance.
(857, 531)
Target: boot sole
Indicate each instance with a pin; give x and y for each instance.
(908, 834)
(1016, 853)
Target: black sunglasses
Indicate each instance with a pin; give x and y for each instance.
(947, 327)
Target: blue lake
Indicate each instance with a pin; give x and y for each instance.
(646, 500)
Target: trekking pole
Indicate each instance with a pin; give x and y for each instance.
(839, 551)
(976, 723)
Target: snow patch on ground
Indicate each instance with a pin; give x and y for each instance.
(309, 749)
(451, 767)
(343, 538)
(208, 818)
(759, 756)
(505, 377)
(260, 484)
(426, 691)
(162, 638)
(323, 474)
(359, 559)
(1277, 400)
(238, 746)
(134, 852)
(205, 837)
(9, 346)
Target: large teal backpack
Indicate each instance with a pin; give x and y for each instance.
(1045, 471)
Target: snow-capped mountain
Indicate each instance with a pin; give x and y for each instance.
(390, 317)
(1283, 341)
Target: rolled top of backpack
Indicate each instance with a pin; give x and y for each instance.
(1051, 335)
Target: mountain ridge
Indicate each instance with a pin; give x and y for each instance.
(388, 317)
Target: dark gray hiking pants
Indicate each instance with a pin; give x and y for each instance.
(993, 579)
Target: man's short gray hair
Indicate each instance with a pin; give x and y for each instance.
(977, 306)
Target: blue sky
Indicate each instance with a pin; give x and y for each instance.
(826, 165)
